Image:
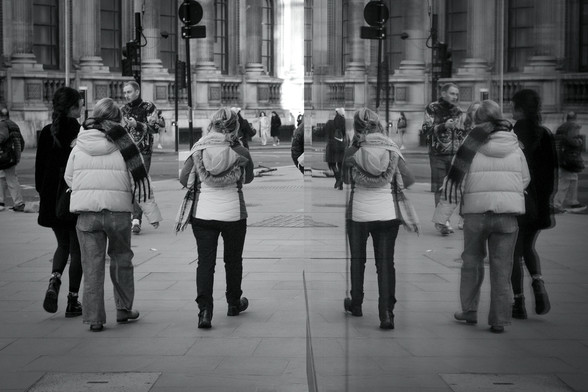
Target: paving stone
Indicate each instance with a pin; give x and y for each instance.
(504, 382)
(123, 382)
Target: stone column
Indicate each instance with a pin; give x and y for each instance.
(205, 46)
(86, 30)
(253, 65)
(414, 25)
(150, 60)
(549, 35)
(481, 36)
(22, 44)
(356, 65)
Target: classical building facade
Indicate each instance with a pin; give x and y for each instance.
(500, 46)
(251, 57)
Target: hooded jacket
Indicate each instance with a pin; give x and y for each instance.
(217, 170)
(369, 166)
(99, 178)
(497, 177)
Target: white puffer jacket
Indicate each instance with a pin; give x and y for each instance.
(497, 177)
(98, 175)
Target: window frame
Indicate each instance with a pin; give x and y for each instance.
(54, 37)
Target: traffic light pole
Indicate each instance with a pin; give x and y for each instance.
(189, 83)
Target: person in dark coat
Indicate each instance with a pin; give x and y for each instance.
(539, 149)
(297, 149)
(246, 131)
(336, 144)
(53, 149)
(275, 125)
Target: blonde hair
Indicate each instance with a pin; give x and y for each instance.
(224, 121)
(489, 111)
(366, 121)
(107, 109)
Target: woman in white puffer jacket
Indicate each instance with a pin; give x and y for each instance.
(105, 172)
(490, 174)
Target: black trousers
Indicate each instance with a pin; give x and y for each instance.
(206, 233)
(384, 235)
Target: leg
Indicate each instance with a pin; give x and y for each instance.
(518, 276)
(3, 188)
(358, 235)
(118, 229)
(234, 240)
(475, 234)
(13, 186)
(137, 211)
(384, 237)
(206, 234)
(530, 255)
(501, 244)
(563, 187)
(75, 264)
(62, 252)
(572, 195)
(438, 172)
(92, 240)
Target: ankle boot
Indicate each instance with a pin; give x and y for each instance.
(518, 308)
(355, 310)
(50, 303)
(386, 319)
(542, 305)
(205, 319)
(74, 307)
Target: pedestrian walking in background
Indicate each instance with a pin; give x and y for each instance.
(375, 168)
(444, 132)
(3, 190)
(276, 123)
(106, 174)
(539, 148)
(141, 120)
(401, 128)
(264, 126)
(336, 144)
(569, 151)
(246, 131)
(214, 174)
(53, 148)
(297, 149)
(11, 145)
(489, 174)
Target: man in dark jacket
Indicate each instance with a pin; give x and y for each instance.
(569, 147)
(14, 137)
(246, 131)
(444, 132)
(142, 120)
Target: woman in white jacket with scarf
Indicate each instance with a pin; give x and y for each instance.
(106, 173)
(490, 174)
(374, 167)
(214, 175)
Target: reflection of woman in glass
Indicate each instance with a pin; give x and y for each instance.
(373, 165)
(336, 143)
(401, 129)
(264, 124)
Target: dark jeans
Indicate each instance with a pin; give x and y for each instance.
(68, 245)
(137, 211)
(440, 165)
(524, 249)
(336, 167)
(206, 233)
(384, 235)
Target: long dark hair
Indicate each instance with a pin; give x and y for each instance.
(529, 103)
(64, 99)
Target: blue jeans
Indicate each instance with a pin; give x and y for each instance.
(384, 235)
(206, 233)
(99, 232)
(440, 165)
(497, 232)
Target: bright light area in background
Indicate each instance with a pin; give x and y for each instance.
(292, 70)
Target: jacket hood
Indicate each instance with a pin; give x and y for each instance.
(217, 155)
(373, 156)
(94, 142)
(500, 144)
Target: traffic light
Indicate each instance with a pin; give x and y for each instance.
(130, 53)
(376, 14)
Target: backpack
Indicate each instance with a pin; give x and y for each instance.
(7, 154)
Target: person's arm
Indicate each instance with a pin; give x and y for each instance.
(429, 122)
(185, 173)
(154, 121)
(69, 168)
(41, 158)
(407, 177)
(248, 168)
(348, 163)
(17, 139)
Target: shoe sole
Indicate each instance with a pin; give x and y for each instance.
(98, 328)
(50, 302)
(72, 314)
(204, 325)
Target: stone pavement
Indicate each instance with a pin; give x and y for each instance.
(294, 225)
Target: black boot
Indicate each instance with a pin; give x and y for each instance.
(386, 319)
(518, 308)
(355, 310)
(542, 305)
(74, 307)
(235, 310)
(205, 319)
(50, 303)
